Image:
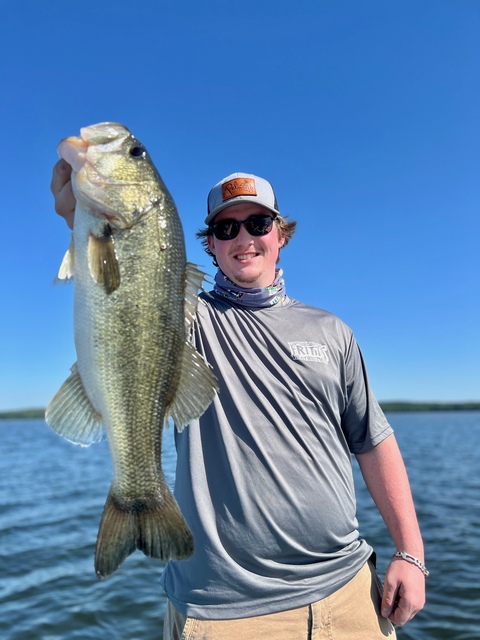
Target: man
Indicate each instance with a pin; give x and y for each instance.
(264, 477)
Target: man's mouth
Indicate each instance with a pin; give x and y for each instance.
(245, 256)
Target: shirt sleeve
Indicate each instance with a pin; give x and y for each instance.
(363, 421)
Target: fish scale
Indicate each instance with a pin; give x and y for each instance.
(134, 302)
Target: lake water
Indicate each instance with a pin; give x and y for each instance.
(52, 495)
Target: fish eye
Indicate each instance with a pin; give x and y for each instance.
(137, 152)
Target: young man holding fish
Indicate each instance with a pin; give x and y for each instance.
(264, 476)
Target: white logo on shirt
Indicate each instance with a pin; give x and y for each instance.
(309, 351)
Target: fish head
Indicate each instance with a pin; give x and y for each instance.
(113, 175)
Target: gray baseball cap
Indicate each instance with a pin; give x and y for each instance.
(237, 188)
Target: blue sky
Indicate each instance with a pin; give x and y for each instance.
(363, 115)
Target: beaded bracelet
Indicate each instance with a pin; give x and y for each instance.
(409, 558)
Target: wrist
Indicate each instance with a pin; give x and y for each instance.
(403, 555)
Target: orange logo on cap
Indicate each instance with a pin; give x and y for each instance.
(238, 187)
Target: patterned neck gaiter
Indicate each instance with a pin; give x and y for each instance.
(258, 297)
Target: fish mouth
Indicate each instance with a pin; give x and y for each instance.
(74, 151)
(105, 133)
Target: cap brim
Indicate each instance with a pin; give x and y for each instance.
(225, 205)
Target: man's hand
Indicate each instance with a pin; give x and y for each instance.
(404, 591)
(61, 187)
(386, 478)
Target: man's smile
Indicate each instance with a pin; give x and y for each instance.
(245, 256)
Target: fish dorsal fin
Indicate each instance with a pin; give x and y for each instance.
(66, 271)
(102, 260)
(71, 414)
(195, 391)
(197, 385)
(194, 278)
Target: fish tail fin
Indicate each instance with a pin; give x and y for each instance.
(153, 525)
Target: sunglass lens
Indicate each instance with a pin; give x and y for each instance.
(226, 230)
(255, 225)
(259, 225)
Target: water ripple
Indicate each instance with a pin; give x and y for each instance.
(52, 495)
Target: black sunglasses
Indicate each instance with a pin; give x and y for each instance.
(256, 225)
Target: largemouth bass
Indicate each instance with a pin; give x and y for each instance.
(134, 301)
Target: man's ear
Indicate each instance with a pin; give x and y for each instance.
(211, 244)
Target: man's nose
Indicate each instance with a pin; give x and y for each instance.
(243, 236)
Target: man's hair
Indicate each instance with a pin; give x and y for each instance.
(285, 229)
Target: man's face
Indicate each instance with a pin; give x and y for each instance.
(248, 261)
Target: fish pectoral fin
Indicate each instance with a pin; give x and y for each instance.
(71, 414)
(102, 261)
(66, 271)
(195, 391)
(154, 525)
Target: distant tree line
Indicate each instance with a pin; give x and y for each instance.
(23, 414)
(430, 406)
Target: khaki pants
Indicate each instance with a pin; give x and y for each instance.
(351, 613)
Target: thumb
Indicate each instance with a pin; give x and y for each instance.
(389, 599)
